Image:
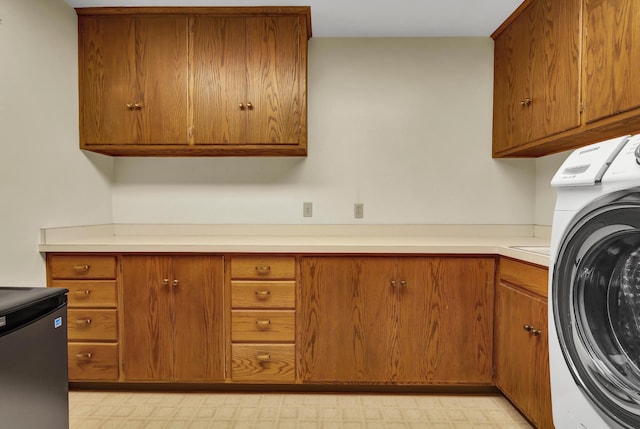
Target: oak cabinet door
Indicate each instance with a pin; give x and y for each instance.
(611, 57)
(133, 80)
(107, 80)
(173, 327)
(522, 359)
(274, 54)
(198, 321)
(148, 318)
(537, 74)
(347, 319)
(220, 80)
(445, 320)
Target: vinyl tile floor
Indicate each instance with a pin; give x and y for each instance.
(123, 410)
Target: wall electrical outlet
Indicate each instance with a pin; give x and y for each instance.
(307, 209)
(358, 210)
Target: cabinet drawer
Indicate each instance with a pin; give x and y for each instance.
(533, 278)
(262, 326)
(98, 293)
(263, 267)
(263, 362)
(82, 267)
(263, 294)
(92, 324)
(93, 361)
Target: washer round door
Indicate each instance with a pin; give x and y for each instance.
(596, 305)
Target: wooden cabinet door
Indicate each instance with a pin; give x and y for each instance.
(147, 333)
(219, 80)
(611, 57)
(133, 79)
(107, 79)
(537, 74)
(197, 284)
(555, 72)
(445, 320)
(163, 79)
(347, 321)
(522, 359)
(275, 76)
(512, 84)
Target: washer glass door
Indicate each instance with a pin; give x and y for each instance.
(596, 305)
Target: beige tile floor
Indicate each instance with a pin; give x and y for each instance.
(125, 410)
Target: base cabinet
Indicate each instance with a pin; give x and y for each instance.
(263, 318)
(522, 346)
(406, 320)
(92, 313)
(173, 318)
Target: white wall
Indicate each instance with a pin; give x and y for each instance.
(45, 180)
(545, 199)
(401, 125)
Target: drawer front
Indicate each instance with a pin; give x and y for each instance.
(92, 324)
(97, 293)
(263, 294)
(531, 277)
(82, 267)
(263, 363)
(262, 326)
(263, 267)
(93, 361)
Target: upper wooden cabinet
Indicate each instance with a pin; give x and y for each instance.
(563, 76)
(194, 81)
(134, 80)
(536, 78)
(611, 58)
(247, 73)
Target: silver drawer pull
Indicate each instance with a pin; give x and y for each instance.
(84, 356)
(81, 268)
(82, 293)
(83, 322)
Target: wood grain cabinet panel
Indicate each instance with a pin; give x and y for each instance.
(263, 363)
(92, 316)
(407, 320)
(537, 74)
(564, 76)
(194, 81)
(173, 326)
(611, 57)
(522, 347)
(262, 318)
(133, 80)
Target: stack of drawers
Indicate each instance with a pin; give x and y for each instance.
(263, 304)
(92, 313)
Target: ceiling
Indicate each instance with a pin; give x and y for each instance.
(371, 18)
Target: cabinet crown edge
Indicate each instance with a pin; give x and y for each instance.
(304, 11)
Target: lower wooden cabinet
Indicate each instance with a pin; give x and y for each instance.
(92, 316)
(262, 313)
(173, 318)
(400, 320)
(522, 346)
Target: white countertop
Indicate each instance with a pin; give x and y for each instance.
(342, 239)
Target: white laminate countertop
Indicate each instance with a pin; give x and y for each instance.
(505, 240)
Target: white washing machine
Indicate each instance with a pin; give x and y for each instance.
(594, 288)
